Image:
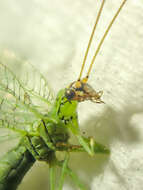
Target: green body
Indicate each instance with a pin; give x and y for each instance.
(41, 134)
(13, 166)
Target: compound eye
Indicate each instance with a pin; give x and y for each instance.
(69, 94)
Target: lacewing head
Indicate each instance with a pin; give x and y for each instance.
(81, 91)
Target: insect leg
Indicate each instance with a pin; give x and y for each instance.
(44, 134)
(95, 146)
(86, 145)
(74, 125)
(63, 172)
(38, 148)
(52, 170)
(29, 146)
(52, 177)
(66, 170)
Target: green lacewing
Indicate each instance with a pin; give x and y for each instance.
(42, 124)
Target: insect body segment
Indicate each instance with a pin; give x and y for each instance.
(13, 166)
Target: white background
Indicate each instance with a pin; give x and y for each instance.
(53, 35)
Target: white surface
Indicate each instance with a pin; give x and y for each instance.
(53, 35)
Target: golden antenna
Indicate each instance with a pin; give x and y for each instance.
(91, 38)
(103, 38)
